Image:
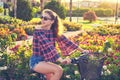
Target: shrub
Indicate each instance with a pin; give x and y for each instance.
(1, 10)
(29, 30)
(55, 6)
(71, 26)
(90, 15)
(99, 12)
(18, 63)
(108, 12)
(10, 20)
(24, 10)
(110, 29)
(6, 37)
(21, 34)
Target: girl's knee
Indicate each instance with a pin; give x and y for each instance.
(56, 73)
(59, 70)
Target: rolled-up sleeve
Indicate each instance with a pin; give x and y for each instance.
(66, 46)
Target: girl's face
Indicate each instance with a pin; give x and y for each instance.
(46, 21)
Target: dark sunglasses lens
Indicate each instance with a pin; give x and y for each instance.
(45, 18)
(41, 17)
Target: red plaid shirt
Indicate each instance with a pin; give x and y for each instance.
(44, 45)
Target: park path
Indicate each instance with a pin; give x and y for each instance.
(72, 33)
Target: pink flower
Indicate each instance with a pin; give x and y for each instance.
(118, 63)
(15, 48)
(107, 62)
(115, 57)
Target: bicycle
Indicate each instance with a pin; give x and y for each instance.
(89, 69)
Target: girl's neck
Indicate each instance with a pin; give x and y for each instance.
(41, 27)
(45, 28)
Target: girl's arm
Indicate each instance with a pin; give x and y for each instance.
(64, 61)
(82, 50)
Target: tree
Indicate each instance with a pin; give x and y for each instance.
(105, 5)
(56, 7)
(90, 15)
(5, 7)
(10, 6)
(24, 10)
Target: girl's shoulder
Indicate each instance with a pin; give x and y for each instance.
(42, 32)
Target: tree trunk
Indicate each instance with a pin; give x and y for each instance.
(59, 1)
(15, 8)
(41, 4)
(116, 12)
(70, 10)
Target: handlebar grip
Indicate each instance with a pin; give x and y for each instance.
(74, 61)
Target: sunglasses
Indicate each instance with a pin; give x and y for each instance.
(45, 18)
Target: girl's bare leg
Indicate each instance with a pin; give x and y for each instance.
(54, 70)
(48, 76)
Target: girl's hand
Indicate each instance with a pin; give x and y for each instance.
(66, 61)
(60, 60)
(85, 51)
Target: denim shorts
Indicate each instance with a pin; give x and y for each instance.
(35, 60)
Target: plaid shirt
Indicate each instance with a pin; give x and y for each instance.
(44, 45)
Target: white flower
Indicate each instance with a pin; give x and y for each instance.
(106, 70)
(109, 50)
(100, 51)
(67, 76)
(105, 67)
(76, 72)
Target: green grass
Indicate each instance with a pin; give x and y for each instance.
(86, 25)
